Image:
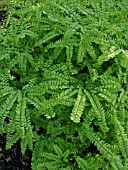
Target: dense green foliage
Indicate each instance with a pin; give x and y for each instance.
(64, 82)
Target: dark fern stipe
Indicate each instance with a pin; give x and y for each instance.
(64, 82)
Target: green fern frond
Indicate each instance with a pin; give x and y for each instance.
(53, 161)
(49, 113)
(93, 72)
(125, 165)
(33, 90)
(46, 38)
(67, 93)
(20, 112)
(30, 59)
(121, 138)
(82, 163)
(7, 105)
(57, 150)
(29, 135)
(108, 95)
(125, 59)
(37, 153)
(55, 84)
(98, 110)
(11, 139)
(123, 96)
(63, 98)
(105, 149)
(66, 154)
(110, 82)
(81, 53)
(5, 90)
(34, 101)
(78, 107)
(69, 53)
(108, 55)
(28, 33)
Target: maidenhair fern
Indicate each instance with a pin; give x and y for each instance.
(82, 163)
(57, 160)
(63, 82)
(98, 110)
(78, 107)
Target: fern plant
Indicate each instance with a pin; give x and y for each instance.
(64, 72)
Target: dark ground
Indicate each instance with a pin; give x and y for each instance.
(2, 16)
(12, 159)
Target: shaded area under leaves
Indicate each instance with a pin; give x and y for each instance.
(12, 159)
(2, 16)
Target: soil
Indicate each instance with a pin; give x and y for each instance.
(12, 159)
